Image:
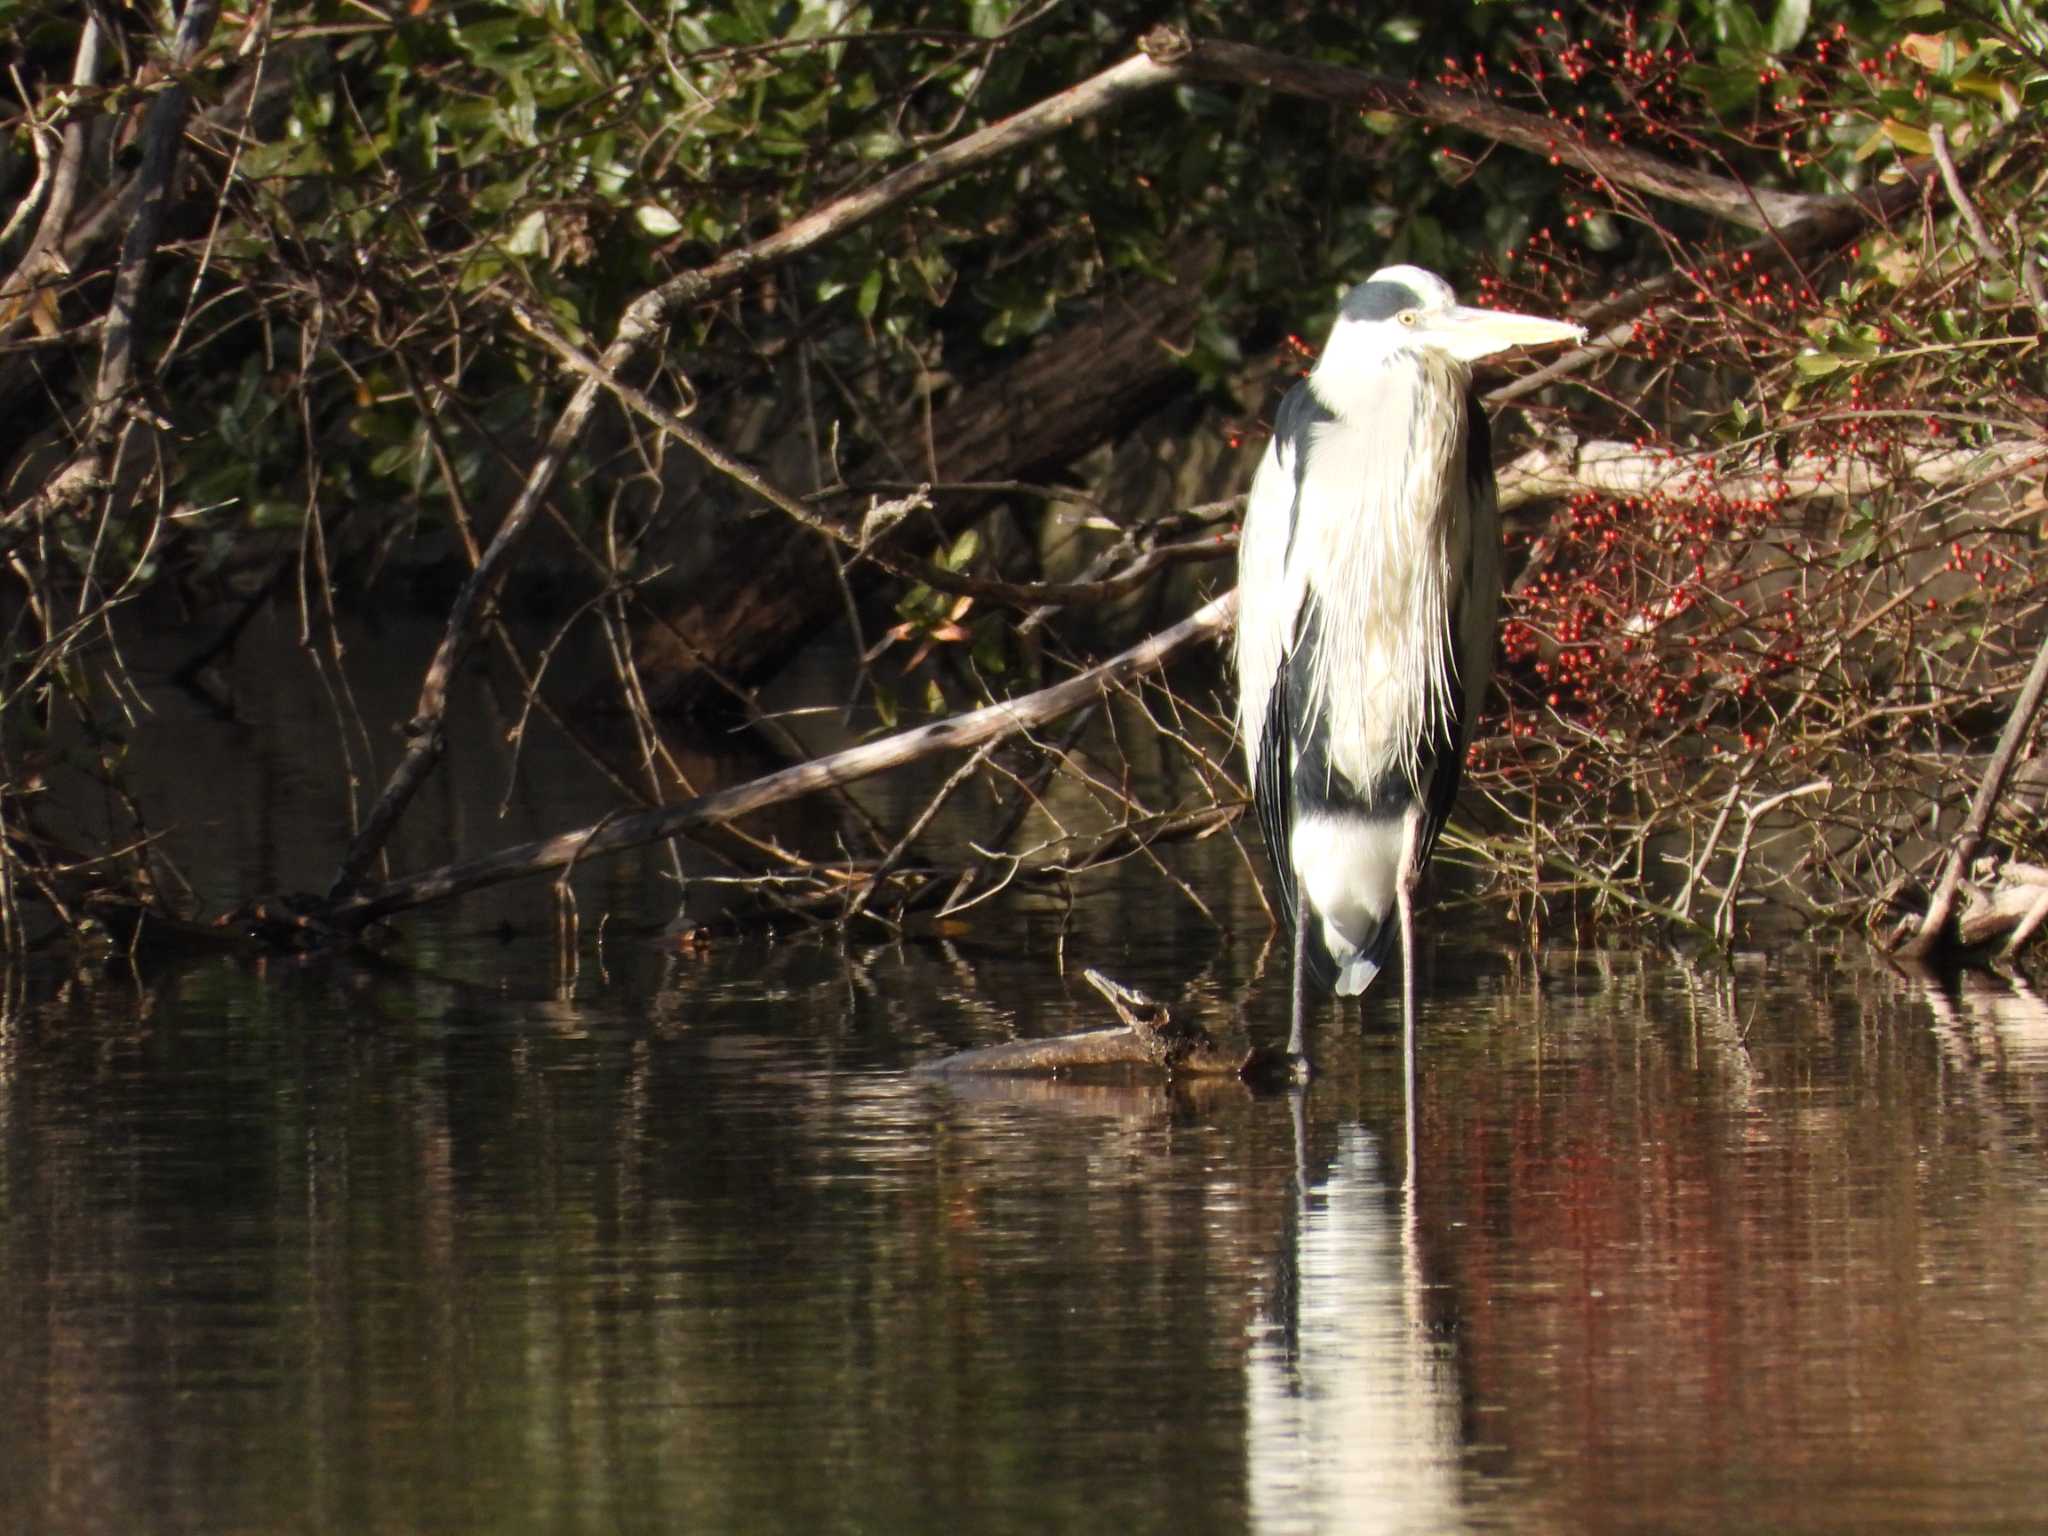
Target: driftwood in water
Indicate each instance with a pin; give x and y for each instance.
(1150, 1036)
(2005, 908)
(1921, 941)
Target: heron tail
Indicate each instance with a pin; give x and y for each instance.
(1356, 974)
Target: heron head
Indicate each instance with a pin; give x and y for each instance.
(1401, 309)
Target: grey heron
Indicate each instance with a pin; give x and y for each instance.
(1368, 585)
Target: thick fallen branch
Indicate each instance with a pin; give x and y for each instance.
(989, 723)
(1722, 196)
(1563, 466)
(1933, 930)
(2010, 905)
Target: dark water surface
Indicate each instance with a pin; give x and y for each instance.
(488, 1239)
(679, 1244)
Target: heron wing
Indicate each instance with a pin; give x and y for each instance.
(1269, 611)
(1273, 791)
(1474, 617)
(1269, 594)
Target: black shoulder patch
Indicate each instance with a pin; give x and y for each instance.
(1274, 795)
(1378, 301)
(1478, 448)
(1298, 412)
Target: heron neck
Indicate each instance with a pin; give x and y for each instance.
(1350, 378)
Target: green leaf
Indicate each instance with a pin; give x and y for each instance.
(963, 550)
(1738, 23)
(657, 221)
(1914, 141)
(529, 236)
(1788, 25)
(870, 293)
(1726, 90)
(992, 645)
(1858, 550)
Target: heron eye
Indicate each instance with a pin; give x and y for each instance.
(1409, 318)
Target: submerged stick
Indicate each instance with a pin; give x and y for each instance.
(1150, 1036)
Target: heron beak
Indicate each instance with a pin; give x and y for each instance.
(1470, 334)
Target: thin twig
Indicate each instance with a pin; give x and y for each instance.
(1980, 233)
(1724, 915)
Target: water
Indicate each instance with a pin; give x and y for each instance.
(680, 1244)
(500, 1236)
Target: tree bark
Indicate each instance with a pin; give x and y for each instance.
(774, 586)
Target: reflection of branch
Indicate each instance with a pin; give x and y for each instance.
(972, 729)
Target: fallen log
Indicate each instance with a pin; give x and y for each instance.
(1150, 1037)
(2004, 907)
(776, 584)
(1921, 942)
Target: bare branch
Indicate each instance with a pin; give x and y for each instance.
(2019, 726)
(1974, 221)
(43, 259)
(162, 132)
(989, 723)
(1561, 467)
(1721, 196)
(639, 328)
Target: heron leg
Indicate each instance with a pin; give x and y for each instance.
(1297, 1034)
(1405, 883)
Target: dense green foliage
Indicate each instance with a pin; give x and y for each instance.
(374, 210)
